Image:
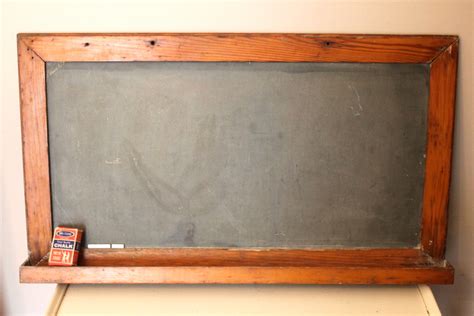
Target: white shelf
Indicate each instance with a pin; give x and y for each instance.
(243, 300)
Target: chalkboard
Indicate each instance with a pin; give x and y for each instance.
(236, 154)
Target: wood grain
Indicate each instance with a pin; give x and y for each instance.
(277, 266)
(439, 151)
(237, 47)
(251, 257)
(240, 275)
(35, 151)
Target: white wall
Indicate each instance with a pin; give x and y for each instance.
(364, 16)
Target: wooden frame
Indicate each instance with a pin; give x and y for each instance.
(424, 264)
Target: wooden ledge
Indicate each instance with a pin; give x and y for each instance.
(225, 266)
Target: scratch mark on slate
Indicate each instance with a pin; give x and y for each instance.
(116, 161)
(157, 186)
(360, 109)
(189, 238)
(55, 69)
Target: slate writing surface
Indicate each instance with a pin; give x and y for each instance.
(285, 155)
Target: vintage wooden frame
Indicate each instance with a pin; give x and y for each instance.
(424, 264)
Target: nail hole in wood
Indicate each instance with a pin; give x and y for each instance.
(86, 44)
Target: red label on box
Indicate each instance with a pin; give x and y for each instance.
(65, 246)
